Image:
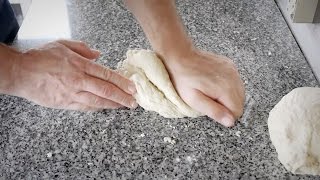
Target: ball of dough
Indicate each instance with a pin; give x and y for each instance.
(294, 127)
(155, 91)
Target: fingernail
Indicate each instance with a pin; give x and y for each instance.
(228, 121)
(132, 88)
(134, 104)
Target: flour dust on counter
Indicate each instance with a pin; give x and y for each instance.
(155, 91)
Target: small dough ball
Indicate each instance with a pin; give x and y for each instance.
(294, 127)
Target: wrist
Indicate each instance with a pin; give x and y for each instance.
(9, 59)
(176, 48)
(176, 55)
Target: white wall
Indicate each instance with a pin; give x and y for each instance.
(24, 4)
(307, 36)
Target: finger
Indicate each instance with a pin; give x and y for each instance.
(232, 98)
(93, 100)
(80, 48)
(211, 108)
(111, 76)
(234, 102)
(108, 91)
(82, 107)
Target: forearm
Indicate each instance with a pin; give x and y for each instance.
(8, 57)
(162, 26)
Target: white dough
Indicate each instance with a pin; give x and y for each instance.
(294, 127)
(155, 91)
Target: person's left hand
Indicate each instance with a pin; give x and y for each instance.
(62, 75)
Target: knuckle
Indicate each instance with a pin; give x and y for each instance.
(87, 65)
(55, 44)
(106, 73)
(215, 114)
(114, 106)
(74, 80)
(82, 44)
(55, 49)
(125, 100)
(107, 91)
(84, 108)
(237, 112)
(77, 63)
(95, 101)
(32, 52)
(193, 96)
(57, 101)
(60, 41)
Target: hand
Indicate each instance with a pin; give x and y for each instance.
(209, 83)
(63, 75)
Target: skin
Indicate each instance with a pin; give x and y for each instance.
(63, 75)
(207, 82)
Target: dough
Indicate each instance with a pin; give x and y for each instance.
(294, 127)
(155, 91)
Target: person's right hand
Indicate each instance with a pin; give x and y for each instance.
(209, 83)
(63, 75)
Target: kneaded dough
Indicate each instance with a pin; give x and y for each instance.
(294, 127)
(155, 91)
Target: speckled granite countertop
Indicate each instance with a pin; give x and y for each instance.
(41, 143)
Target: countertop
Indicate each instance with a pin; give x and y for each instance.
(42, 143)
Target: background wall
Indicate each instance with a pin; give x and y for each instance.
(307, 36)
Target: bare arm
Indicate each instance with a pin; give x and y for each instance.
(207, 82)
(161, 25)
(7, 65)
(63, 75)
